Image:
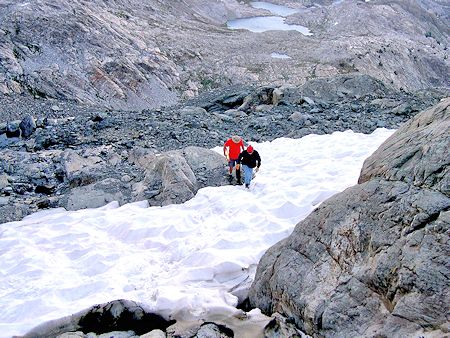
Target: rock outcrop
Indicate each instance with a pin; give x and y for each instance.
(177, 175)
(418, 155)
(79, 179)
(118, 315)
(372, 260)
(129, 319)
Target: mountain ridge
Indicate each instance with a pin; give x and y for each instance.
(128, 55)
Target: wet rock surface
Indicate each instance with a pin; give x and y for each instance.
(125, 319)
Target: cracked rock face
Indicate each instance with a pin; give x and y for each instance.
(421, 150)
(372, 260)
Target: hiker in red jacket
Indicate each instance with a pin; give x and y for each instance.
(231, 150)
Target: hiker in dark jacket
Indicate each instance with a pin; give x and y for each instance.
(249, 159)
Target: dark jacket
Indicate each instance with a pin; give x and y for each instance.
(250, 160)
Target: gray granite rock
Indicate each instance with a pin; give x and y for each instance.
(27, 126)
(154, 334)
(119, 318)
(212, 330)
(175, 176)
(373, 259)
(418, 153)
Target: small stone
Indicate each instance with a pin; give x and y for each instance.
(2, 128)
(13, 129)
(154, 334)
(263, 108)
(295, 117)
(50, 122)
(56, 108)
(309, 101)
(27, 126)
(126, 178)
(99, 117)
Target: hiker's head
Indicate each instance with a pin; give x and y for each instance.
(236, 139)
(249, 149)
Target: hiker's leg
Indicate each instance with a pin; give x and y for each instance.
(244, 169)
(238, 176)
(250, 174)
(247, 174)
(230, 166)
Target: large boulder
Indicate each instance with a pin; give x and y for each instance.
(80, 170)
(27, 126)
(336, 89)
(117, 315)
(89, 178)
(372, 260)
(168, 179)
(96, 194)
(417, 154)
(175, 176)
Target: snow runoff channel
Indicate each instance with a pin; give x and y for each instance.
(179, 260)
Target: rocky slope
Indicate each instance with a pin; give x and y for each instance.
(94, 157)
(135, 55)
(372, 260)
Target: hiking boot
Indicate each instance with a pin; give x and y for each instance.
(238, 182)
(247, 186)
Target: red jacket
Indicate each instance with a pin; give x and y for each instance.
(234, 149)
